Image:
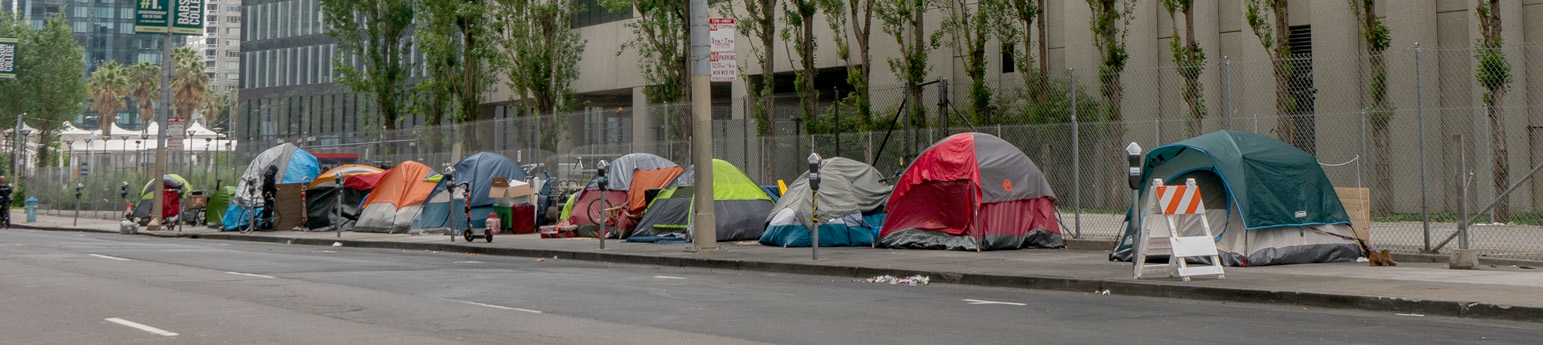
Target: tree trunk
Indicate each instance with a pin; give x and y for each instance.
(1497, 146)
(1382, 180)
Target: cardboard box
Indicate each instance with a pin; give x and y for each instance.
(1358, 204)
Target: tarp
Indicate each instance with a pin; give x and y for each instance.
(480, 169)
(739, 208)
(331, 208)
(848, 190)
(972, 191)
(1267, 202)
(622, 169)
(397, 199)
(294, 166)
(348, 170)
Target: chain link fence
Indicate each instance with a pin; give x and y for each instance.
(1394, 136)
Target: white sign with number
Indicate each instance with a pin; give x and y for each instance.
(176, 131)
(721, 56)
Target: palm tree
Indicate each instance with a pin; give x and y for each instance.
(216, 103)
(109, 83)
(144, 84)
(190, 84)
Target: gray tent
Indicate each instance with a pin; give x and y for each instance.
(849, 190)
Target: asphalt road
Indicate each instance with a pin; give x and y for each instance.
(88, 288)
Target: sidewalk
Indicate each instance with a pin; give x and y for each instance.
(1500, 292)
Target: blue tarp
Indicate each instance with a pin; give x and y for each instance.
(480, 169)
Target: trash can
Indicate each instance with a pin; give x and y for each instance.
(32, 209)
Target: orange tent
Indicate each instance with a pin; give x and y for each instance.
(347, 170)
(643, 180)
(397, 199)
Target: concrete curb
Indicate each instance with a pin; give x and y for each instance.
(1462, 309)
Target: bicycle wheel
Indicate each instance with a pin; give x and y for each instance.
(596, 211)
(251, 221)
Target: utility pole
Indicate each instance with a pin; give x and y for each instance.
(704, 225)
(168, 66)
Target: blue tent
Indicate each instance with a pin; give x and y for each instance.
(294, 166)
(447, 211)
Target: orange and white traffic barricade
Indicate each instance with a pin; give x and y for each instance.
(1172, 202)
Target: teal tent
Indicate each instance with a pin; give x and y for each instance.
(1267, 202)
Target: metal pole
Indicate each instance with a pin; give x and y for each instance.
(1419, 87)
(168, 66)
(1227, 88)
(1462, 193)
(1076, 160)
(836, 118)
(1358, 164)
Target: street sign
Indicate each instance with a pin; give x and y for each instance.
(7, 58)
(176, 131)
(721, 57)
(187, 15)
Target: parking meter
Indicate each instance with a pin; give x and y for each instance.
(600, 169)
(814, 204)
(78, 188)
(1133, 153)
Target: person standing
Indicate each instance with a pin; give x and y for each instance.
(5, 203)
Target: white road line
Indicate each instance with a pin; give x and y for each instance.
(323, 251)
(251, 275)
(111, 257)
(500, 307)
(976, 301)
(668, 277)
(468, 262)
(141, 326)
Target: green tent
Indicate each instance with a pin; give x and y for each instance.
(740, 207)
(215, 210)
(1267, 202)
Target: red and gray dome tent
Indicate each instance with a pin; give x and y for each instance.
(972, 191)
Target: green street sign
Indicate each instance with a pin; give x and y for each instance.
(187, 17)
(7, 58)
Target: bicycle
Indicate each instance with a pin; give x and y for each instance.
(255, 218)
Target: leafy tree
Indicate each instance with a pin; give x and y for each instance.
(1014, 22)
(1109, 23)
(145, 86)
(190, 84)
(859, 66)
(758, 20)
(542, 54)
(458, 39)
(50, 85)
(1268, 20)
(376, 33)
(903, 20)
(1188, 59)
(108, 85)
(1380, 112)
(1494, 75)
(661, 36)
(798, 27)
(970, 26)
(216, 107)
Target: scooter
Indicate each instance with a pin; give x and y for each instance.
(470, 233)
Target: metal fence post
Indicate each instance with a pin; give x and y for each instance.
(1076, 160)
(1227, 89)
(1419, 87)
(1462, 193)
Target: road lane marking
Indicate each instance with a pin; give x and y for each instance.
(141, 326)
(111, 257)
(323, 251)
(468, 262)
(976, 301)
(251, 275)
(669, 277)
(500, 307)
